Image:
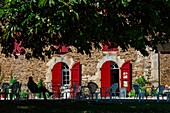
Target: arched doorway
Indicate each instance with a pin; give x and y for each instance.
(60, 77)
(63, 77)
(109, 75)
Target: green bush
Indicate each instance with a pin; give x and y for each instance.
(131, 93)
(39, 95)
(23, 94)
(12, 79)
(141, 81)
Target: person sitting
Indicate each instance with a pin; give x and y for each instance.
(33, 87)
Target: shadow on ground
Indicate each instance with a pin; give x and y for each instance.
(71, 106)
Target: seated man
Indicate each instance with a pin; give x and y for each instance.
(32, 86)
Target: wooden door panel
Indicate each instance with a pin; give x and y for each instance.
(105, 76)
(75, 78)
(76, 74)
(126, 76)
(57, 77)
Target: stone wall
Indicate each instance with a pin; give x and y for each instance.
(165, 69)
(22, 68)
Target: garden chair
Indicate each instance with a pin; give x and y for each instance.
(32, 95)
(83, 92)
(92, 89)
(122, 92)
(138, 92)
(113, 89)
(15, 90)
(4, 90)
(75, 92)
(65, 91)
(106, 91)
(153, 91)
(161, 89)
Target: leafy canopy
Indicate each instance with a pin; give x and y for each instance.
(42, 24)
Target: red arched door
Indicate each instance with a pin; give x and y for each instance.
(126, 76)
(105, 76)
(109, 75)
(57, 77)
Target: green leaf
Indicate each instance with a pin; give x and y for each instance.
(51, 2)
(81, 33)
(42, 3)
(85, 1)
(22, 8)
(75, 1)
(1, 13)
(62, 13)
(125, 3)
(77, 15)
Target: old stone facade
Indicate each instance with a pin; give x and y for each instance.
(165, 68)
(147, 66)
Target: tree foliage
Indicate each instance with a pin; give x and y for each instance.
(41, 24)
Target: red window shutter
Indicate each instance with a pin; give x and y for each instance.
(107, 46)
(126, 76)
(105, 76)
(57, 77)
(76, 74)
(63, 49)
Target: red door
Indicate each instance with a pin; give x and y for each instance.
(57, 77)
(105, 77)
(75, 74)
(126, 76)
(75, 78)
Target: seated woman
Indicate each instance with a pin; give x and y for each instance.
(33, 87)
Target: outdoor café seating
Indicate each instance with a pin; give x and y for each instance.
(160, 92)
(113, 89)
(168, 94)
(122, 92)
(15, 90)
(11, 91)
(4, 90)
(93, 89)
(139, 93)
(88, 91)
(83, 92)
